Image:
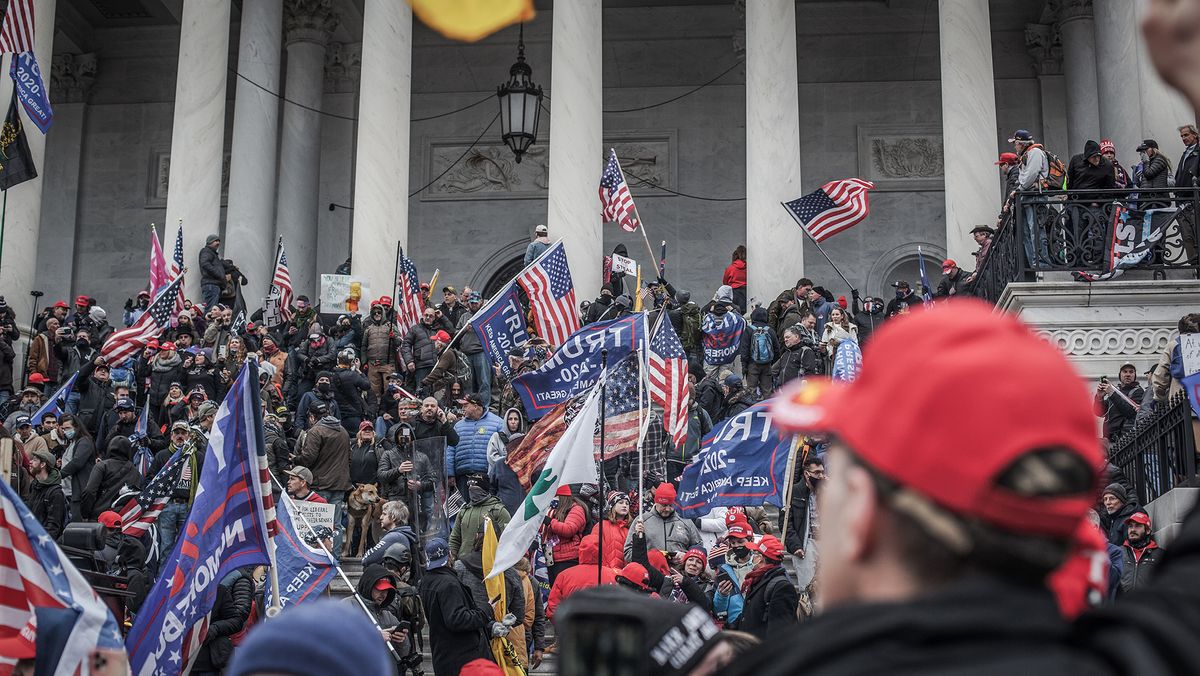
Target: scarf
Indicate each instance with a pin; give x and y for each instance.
(753, 576)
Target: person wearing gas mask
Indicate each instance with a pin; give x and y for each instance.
(405, 475)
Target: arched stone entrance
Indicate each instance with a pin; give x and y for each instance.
(499, 268)
(901, 263)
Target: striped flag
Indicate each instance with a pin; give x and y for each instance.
(551, 295)
(409, 301)
(623, 402)
(616, 204)
(125, 343)
(281, 283)
(176, 267)
(56, 403)
(838, 205)
(16, 31)
(35, 575)
(143, 509)
(158, 263)
(668, 380)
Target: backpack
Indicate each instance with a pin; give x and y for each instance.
(1056, 173)
(691, 327)
(761, 351)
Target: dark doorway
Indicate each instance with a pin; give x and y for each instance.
(503, 276)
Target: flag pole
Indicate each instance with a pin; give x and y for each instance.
(396, 282)
(641, 226)
(787, 486)
(803, 229)
(603, 493)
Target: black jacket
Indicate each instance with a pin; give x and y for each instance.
(348, 386)
(79, 469)
(212, 268)
(1136, 571)
(1114, 524)
(770, 605)
(1154, 174)
(48, 504)
(113, 473)
(457, 627)
(437, 428)
(1082, 175)
(364, 462)
(94, 397)
(229, 615)
(1189, 168)
(1119, 414)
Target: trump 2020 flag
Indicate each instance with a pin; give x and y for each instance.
(36, 577)
(571, 462)
(847, 362)
(226, 530)
(500, 326)
(741, 463)
(56, 403)
(722, 337)
(304, 571)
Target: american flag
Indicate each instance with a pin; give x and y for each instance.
(16, 32)
(281, 284)
(615, 201)
(623, 401)
(35, 574)
(144, 508)
(176, 268)
(158, 263)
(837, 206)
(668, 380)
(126, 342)
(409, 302)
(551, 295)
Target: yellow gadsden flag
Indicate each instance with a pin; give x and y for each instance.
(506, 656)
(471, 20)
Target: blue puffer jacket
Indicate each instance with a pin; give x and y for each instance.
(730, 605)
(470, 455)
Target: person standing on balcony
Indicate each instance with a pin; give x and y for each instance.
(1187, 175)
(1035, 166)
(1088, 170)
(1152, 173)
(1109, 151)
(1119, 403)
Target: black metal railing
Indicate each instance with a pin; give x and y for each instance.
(1069, 231)
(1159, 453)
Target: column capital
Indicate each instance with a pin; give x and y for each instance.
(1072, 10)
(309, 21)
(1043, 43)
(343, 66)
(72, 77)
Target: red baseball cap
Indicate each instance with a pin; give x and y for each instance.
(948, 263)
(168, 346)
(1139, 517)
(659, 561)
(153, 342)
(769, 546)
(61, 303)
(385, 301)
(81, 300)
(442, 336)
(384, 584)
(1008, 158)
(635, 573)
(741, 529)
(954, 451)
(109, 519)
(37, 379)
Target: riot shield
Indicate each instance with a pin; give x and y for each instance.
(434, 520)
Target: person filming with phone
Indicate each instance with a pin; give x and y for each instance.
(1119, 402)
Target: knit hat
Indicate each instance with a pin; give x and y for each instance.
(1117, 491)
(563, 491)
(724, 294)
(212, 238)
(664, 494)
(285, 644)
(97, 314)
(696, 553)
(1106, 146)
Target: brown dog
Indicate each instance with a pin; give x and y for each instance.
(363, 504)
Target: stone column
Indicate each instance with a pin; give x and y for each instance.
(23, 213)
(71, 78)
(968, 122)
(774, 243)
(198, 131)
(1044, 46)
(343, 68)
(308, 25)
(381, 168)
(1079, 66)
(250, 219)
(576, 140)
(1117, 76)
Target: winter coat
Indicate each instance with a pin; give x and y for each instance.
(385, 614)
(1114, 524)
(1119, 414)
(235, 595)
(312, 359)
(348, 386)
(770, 605)
(48, 503)
(212, 268)
(93, 397)
(443, 373)
(1083, 175)
(735, 274)
(796, 361)
(674, 534)
(736, 404)
(1138, 564)
(161, 372)
(948, 288)
(404, 535)
(458, 629)
(204, 377)
(392, 484)
(709, 395)
(470, 453)
(417, 347)
(44, 357)
(437, 428)
(470, 572)
(834, 334)
(326, 451)
(109, 477)
(364, 462)
(378, 342)
(468, 340)
(312, 397)
(728, 607)
(569, 532)
(535, 249)
(1155, 172)
(748, 339)
(587, 573)
(615, 535)
(78, 461)
(470, 521)
(1189, 167)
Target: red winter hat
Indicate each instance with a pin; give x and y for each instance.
(658, 561)
(664, 494)
(635, 573)
(442, 336)
(842, 302)
(696, 553)
(1106, 146)
(956, 450)
(563, 491)
(769, 546)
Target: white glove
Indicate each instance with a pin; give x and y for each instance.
(509, 620)
(499, 630)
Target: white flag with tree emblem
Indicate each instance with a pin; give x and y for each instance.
(572, 461)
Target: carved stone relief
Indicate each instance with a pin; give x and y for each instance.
(489, 170)
(160, 176)
(1131, 342)
(901, 157)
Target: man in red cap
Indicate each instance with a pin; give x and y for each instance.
(1142, 553)
(938, 530)
(954, 280)
(770, 597)
(665, 530)
(1010, 171)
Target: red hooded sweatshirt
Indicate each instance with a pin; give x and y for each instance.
(587, 573)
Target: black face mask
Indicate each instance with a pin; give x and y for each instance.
(740, 552)
(324, 387)
(83, 342)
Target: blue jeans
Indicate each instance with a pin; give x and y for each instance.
(170, 524)
(212, 295)
(481, 366)
(338, 500)
(1037, 245)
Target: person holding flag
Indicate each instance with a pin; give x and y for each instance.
(459, 630)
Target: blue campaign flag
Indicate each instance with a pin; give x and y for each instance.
(304, 571)
(31, 90)
(741, 463)
(226, 530)
(847, 361)
(500, 326)
(1192, 385)
(722, 337)
(575, 365)
(56, 402)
